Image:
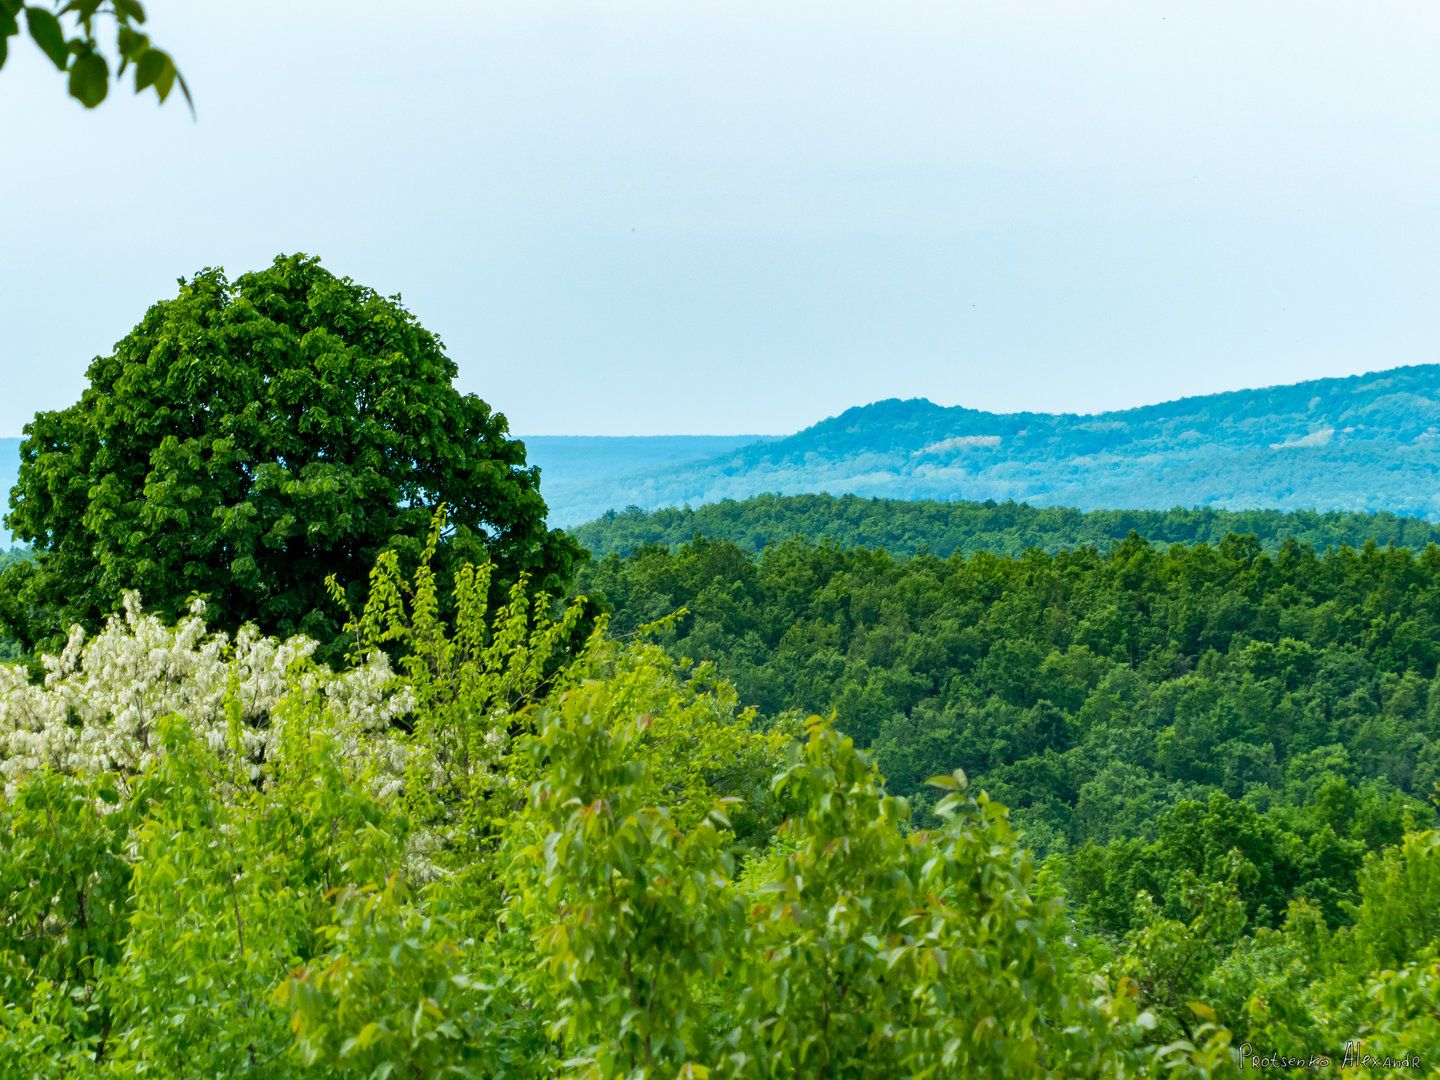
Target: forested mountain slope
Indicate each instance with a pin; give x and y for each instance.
(1369, 442)
(906, 528)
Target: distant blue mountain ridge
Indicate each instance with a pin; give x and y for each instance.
(1365, 443)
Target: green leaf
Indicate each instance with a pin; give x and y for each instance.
(46, 32)
(89, 79)
(129, 9)
(368, 1036)
(131, 43)
(149, 67)
(165, 80)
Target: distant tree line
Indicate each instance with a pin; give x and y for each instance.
(904, 527)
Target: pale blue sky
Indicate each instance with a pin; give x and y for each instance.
(741, 216)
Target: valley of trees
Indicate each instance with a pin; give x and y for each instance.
(377, 777)
(1142, 711)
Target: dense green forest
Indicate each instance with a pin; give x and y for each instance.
(945, 528)
(1163, 721)
(1092, 689)
(503, 854)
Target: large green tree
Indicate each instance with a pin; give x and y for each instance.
(250, 438)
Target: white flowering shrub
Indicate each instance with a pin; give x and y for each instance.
(97, 708)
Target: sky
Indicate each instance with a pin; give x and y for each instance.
(645, 217)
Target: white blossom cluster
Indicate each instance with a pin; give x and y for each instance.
(101, 698)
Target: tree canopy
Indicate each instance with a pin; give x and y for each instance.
(247, 440)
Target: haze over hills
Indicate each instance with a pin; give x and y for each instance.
(1368, 442)
(573, 468)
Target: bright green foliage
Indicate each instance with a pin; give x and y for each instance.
(1303, 988)
(249, 439)
(227, 885)
(915, 954)
(853, 948)
(64, 892)
(1398, 1011)
(629, 911)
(875, 951)
(172, 913)
(70, 37)
(472, 686)
(397, 991)
(1399, 911)
(1171, 959)
(1226, 733)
